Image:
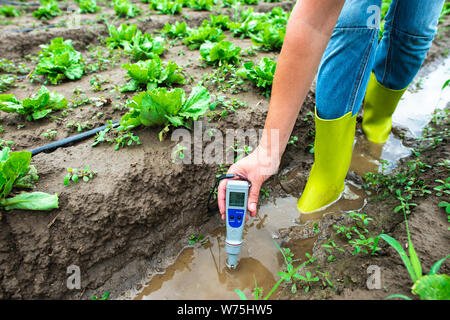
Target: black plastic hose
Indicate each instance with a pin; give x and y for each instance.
(13, 3)
(64, 142)
(31, 29)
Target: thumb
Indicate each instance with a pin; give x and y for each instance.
(253, 198)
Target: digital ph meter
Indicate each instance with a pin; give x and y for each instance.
(236, 214)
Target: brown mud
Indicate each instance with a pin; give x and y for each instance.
(131, 222)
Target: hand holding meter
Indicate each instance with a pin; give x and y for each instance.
(236, 214)
(236, 198)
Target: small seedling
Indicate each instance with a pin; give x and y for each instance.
(324, 278)
(264, 193)
(316, 228)
(50, 134)
(79, 126)
(364, 245)
(105, 296)
(308, 280)
(293, 140)
(75, 174)
(6, 143)
(199, 238)
(178, 153)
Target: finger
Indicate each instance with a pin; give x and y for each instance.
(221, 193)
(253, 198)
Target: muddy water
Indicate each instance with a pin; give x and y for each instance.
(199, 272)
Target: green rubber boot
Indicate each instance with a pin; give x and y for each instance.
(379, 105)
(333, 147)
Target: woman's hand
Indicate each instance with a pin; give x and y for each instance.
(257, 168)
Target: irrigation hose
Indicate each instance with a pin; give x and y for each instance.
(12, 3)
(64, 142)
(34, 28)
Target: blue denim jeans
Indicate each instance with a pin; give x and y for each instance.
(354, 51)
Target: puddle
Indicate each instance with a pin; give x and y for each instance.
(199, 272)
(416, 107)
(413, 113)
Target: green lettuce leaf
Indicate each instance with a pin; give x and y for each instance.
(14, 165)
(37, 106)
(433, 287)
(31, 201)
(197, 104)
(219, 52)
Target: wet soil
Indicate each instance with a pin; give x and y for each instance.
(128, 228)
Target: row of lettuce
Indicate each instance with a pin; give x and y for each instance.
(59, 61)
(49, 9)
(157, 104)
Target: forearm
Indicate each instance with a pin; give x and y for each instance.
(308, 32)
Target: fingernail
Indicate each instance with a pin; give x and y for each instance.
(252, 207)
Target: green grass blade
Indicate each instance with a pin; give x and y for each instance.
(240, 294)
(401, 296)
(412, 253)
(414, 260)
(435, 268)
(394, 243)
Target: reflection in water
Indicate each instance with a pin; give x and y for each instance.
(200, 273)
(367, 155)
(416, 107)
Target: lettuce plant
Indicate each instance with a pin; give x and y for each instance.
(167, 6)
(14, 171)
(200, 35)
(59, 60)
(144, 46)
(47, 10)
(201, 4)
(7, 82)
(150, 73)
(9, 12)
(278, 17)
(36, 107)
(118, 36)
(217, 21)
(270, 38)
(252, 24)
(176, 30)
(261, 74)
(229, 3)
(160, 107)
(219, 52)
(88, 6)
(125, 9)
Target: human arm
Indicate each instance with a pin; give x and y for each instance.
(307, 34)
